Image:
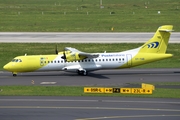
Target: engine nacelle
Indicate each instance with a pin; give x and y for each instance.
(73, 56)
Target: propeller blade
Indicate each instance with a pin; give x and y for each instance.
(56, 51)
(64, 55)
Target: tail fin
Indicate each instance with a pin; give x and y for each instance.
(159, 42)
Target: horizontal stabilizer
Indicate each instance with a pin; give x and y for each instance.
(165, 30)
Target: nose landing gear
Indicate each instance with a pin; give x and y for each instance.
(14, 74)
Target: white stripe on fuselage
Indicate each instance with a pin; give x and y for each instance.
(104, 61)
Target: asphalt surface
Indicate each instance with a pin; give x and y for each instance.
(25, 37)
(88, 108)
(121, 77)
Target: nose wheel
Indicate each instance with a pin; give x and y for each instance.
(14, 74)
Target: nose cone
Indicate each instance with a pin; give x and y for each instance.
(6, 67)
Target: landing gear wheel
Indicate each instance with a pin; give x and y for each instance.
(79, 72)
(85, 73)
(82, 73)
(14, 75)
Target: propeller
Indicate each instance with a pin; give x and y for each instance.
(64, 55)
(56, 51)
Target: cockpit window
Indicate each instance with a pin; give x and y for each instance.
(16, 60)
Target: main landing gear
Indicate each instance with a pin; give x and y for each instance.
(82, 72)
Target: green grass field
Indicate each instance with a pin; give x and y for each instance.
(10, 50)
(87, 16)
(77, 91)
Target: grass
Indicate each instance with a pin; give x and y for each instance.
(10, 50)
(87, 16)
(76, 91)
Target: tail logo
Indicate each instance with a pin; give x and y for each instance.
(152, 45)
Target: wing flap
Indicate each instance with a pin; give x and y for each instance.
(89, 55)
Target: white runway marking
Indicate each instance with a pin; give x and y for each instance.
(48, 83)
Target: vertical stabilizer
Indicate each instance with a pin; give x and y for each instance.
(159, 42)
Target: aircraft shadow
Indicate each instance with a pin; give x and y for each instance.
(99, 75)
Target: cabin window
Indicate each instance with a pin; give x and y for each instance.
(51, 61)
(112, 59)
(109, 59)
(44, 61)
(123, 59)
(96, 60)
(54, 61)
(99, 59)
(106, 59)
(102, 59)
(81, 60)
(85, 60)
(119, 59)
(89, 60)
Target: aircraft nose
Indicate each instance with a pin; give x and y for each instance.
(6, 67)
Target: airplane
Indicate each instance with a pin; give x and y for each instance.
(73, 60)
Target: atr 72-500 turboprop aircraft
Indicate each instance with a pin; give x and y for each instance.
(73, 60)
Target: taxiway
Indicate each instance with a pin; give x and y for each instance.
(88, 108)
(97, 78)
